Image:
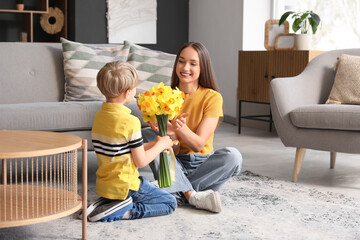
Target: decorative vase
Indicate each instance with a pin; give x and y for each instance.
(23, 37)
(303, 41)
(20, 6)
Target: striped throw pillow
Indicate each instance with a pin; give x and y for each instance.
(82, 62)
(152, 66)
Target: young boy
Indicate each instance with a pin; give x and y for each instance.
(118, 143)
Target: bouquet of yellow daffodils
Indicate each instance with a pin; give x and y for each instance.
(160, 104)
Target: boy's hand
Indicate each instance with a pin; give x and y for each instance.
(165, 142)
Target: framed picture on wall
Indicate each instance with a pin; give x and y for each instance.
(285, 41)
(272, 29)
(133, 21)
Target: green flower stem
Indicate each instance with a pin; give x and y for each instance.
(164, 169)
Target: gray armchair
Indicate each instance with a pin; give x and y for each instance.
(304, 121)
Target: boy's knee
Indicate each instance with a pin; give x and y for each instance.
(172, 203)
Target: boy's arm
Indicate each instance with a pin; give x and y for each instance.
(171, 132)
(143, 157)
(149, 145)
(176, 146)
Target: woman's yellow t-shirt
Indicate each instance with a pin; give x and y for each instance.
(202, 103)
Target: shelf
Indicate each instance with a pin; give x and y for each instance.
(22, 11)
(31, 17)
(35, 204)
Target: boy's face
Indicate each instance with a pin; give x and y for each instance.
(132, 94)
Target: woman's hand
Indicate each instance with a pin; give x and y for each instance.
(170, 129)
(180, 121)
(154, 126)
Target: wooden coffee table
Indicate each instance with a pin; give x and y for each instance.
(39, 177)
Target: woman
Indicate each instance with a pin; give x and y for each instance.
(200, 171)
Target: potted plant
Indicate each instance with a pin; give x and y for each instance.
(302, 21)
(20, 5)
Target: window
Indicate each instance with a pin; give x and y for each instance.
(339, 27)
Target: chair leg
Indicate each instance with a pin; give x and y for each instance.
(299, 157)
(332, 159)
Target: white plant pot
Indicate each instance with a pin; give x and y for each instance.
(303, 41)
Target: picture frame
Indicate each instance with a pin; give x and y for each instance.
(285, 41)
(272, 29)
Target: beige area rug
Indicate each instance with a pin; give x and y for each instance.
(254, 207)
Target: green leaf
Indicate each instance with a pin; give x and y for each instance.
(304, 16)
(314, 21)
(296, 24)
(315, 17)
(284, 17)
(313, 25)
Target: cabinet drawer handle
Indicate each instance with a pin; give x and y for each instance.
(272, 76)
(266, 76)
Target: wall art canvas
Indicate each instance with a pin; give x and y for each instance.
(132, 20)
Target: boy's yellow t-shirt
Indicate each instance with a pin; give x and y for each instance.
(115, 131)
(204, 102)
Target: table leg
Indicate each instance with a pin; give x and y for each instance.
(4, 171)
(271, 121)
(84, 188)
(239, 130)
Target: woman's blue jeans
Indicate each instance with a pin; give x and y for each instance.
(150, 201)
(201, 172)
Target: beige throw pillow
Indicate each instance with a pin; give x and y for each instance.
(82, 62)
(346, 88)
(152, 66)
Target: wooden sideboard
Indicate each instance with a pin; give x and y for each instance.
(258, 68)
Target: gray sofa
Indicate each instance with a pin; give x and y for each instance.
(32, 93)
(303, 121)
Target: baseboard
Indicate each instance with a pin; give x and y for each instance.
(230, 119)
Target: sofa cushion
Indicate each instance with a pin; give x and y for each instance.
(325, 116)
(152, 66)
(48, 116)
(27, 69)
(54, 116)
(82, 62)
(346, 88)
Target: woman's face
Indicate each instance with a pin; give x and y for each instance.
(188, 66)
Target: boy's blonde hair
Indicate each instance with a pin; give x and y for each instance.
(115, 78)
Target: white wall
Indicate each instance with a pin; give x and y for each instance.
(225, 27)
(256, 13)
(218, 25)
